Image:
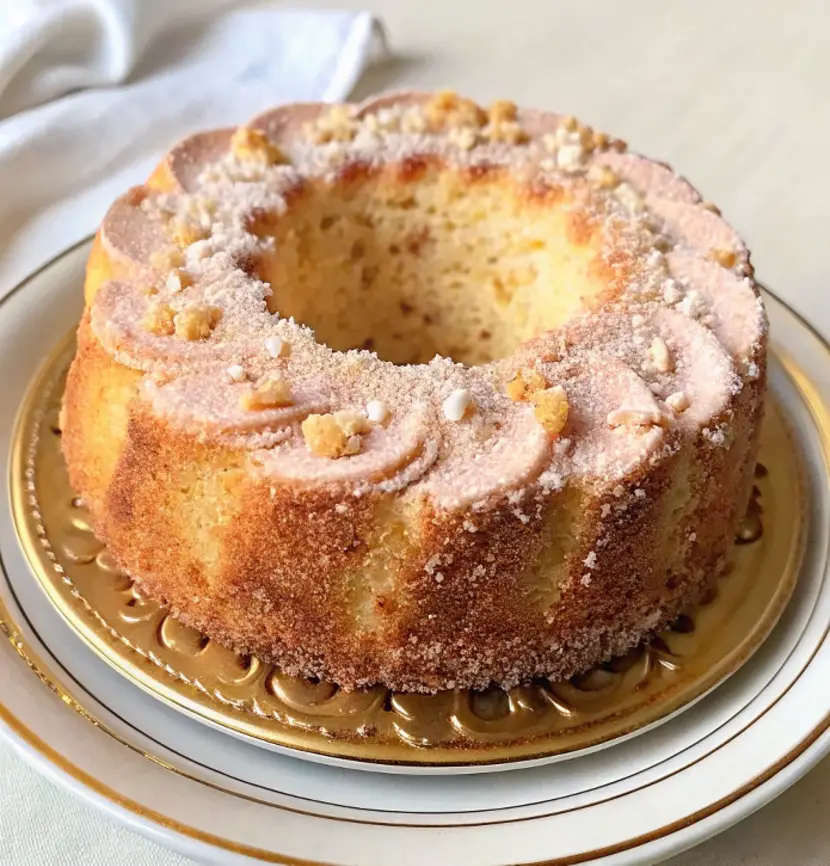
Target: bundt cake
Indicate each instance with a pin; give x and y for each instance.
(416, 392)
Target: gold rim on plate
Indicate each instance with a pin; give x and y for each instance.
(137, 636)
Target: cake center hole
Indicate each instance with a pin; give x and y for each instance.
(438, 263)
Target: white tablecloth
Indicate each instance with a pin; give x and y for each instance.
(737, 94)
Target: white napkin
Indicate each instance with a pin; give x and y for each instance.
(92, 92)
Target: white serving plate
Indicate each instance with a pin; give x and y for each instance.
(220, 799)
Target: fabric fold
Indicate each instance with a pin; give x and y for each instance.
(152, 73)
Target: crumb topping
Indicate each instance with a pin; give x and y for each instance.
(252, 145)
(207, 303)
(269, 392)
(335, 434)
(551, 408)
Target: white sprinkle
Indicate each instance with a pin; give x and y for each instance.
(569, 157)
(455, 406)
(586, 580)
(173, 282)
(550, 142)
(605, 510)
(692, 305)
(677, 402)
(439, 578)
(660, 355)
(637, 320)
(198, 251)
(273, 346)
(341, 508)
(550, 481)
(236, 373)
(639, 493)
(629, 198)
(716, 437)
(376, 411)
(590, 560)
(632, 418)
(672, 293)
(562, 446)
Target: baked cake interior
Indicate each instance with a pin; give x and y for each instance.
(446, 267)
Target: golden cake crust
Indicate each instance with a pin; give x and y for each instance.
(515, 540)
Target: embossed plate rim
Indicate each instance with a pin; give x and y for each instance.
(659, 842)
(369, 754)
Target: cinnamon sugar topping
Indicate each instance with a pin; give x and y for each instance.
(226, 232)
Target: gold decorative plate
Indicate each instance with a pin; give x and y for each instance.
(249, 698)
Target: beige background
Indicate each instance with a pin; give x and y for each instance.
(736, 94)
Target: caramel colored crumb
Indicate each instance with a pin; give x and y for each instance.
(252, 145)
(464, 137)
(351, 423)
(337, 124)
(447, 110)
(178, 279)
(335, 434)
(508, 132)
(196, 323)
(159, 320)
(270, 392)
(502, 110)
(183, 234)
(601, 140)
(551, 408)
(413, 121)
(603, 176)
(726, 258)
(166, 259)
(524, 384)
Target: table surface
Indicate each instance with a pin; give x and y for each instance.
(736, 94)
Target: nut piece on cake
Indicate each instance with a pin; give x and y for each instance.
(336, 434)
